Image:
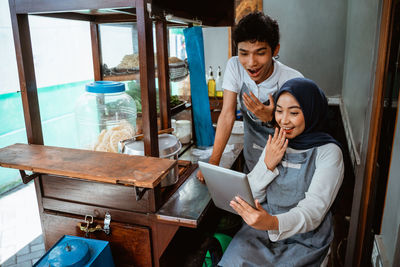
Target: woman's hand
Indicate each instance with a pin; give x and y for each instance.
(257, 218)
(275, 149)
(262, 112)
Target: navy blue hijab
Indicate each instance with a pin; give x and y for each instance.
(314, 105)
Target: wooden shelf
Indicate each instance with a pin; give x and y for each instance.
(87, 165)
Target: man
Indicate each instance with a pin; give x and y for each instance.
(251, 78)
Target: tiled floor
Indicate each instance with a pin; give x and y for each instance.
(28, 255)
(21, 242)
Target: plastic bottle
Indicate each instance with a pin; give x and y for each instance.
(211, 83)
(218, 83)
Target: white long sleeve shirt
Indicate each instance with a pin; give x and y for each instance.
(310, 211)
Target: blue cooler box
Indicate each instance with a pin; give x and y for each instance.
(73, 251)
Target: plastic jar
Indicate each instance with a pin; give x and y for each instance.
(105, 115)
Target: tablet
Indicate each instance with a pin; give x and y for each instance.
(224, 184)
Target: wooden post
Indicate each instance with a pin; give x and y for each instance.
(147, 79)
(27, 82)
(26, 74)
(97, 62)
(163, 73)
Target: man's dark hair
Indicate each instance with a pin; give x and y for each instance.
(257, 26)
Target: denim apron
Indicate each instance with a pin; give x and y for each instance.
(251, 247)
(255, 134)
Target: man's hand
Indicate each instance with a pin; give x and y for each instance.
(200, 177)
(257, 218)
(262, 112)
(275, 149)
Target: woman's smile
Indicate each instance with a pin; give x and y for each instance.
(287, 130)
(289, 115)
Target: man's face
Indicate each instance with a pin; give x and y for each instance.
(256, 59)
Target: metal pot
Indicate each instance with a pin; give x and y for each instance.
(168, 146)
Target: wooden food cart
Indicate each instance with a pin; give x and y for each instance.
(72, 184)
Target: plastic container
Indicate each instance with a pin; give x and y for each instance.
(184, 131)
(105, 115)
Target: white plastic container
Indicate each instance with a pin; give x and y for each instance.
(105, 115)
(184, 131)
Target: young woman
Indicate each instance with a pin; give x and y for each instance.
(294, 183)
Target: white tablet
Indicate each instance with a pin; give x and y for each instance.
(224, 184)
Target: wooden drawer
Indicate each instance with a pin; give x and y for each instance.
(97, 194)
(130, 244)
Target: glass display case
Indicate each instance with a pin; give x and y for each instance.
(119, 51)
(140, 237)
(119, 57)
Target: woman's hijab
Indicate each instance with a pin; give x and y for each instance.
(314, 105)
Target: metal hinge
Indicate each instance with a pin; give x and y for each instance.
(139, 192)
(27, 178)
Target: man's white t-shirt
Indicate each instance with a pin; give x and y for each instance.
(235, 75)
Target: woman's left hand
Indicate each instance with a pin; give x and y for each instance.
(257, 218)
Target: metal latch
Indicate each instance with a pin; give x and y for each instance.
(89, 226)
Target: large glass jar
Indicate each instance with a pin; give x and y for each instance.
(105, 115)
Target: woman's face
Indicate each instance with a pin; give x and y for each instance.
(289, 116)
(256, 59)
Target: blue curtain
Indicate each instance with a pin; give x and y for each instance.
(200, 105)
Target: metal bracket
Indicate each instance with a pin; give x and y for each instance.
(139, 192)
(27, 178)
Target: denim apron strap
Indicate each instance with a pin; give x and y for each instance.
(204, 130)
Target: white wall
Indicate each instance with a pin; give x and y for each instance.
(61, 51)
(313, 36)
(8, 64)
(216, 48)
(360, 60)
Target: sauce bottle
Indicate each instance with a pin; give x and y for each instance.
(218, 83)
(211, 83)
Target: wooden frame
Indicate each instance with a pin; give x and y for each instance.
(365, 176)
